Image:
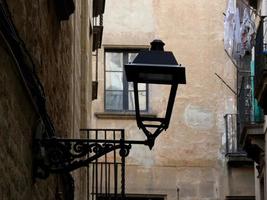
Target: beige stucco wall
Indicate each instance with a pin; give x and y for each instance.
(237, 176)
(189, 155)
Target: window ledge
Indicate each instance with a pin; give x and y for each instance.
(238, 159)
(121, 115)
(240, 197)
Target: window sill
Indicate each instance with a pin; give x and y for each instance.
(121, 115)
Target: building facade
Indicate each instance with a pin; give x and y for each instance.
(253, 134)
(188, 161)
(55, 82)
(249, 34)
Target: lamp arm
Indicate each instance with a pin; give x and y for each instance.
(64, 155)
(56, 155)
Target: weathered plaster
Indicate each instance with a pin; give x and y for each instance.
(188, 155)
(198, 117)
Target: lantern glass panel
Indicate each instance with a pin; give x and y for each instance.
(142, 95)
(161, 98)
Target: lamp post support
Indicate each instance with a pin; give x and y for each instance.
(56, 155)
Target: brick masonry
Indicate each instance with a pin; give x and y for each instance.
(58, 62)
(17, 118)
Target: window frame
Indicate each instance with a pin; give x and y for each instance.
(125, 92)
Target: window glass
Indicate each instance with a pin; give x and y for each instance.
(141, 86)
(119, 95)
(114, 100)
(131, 56)
(114, 81)
(114, 61)
(131, 101)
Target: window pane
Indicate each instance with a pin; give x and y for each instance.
(131, 56)
(120, 97)
(131, 101)
(142, 100)
(114, 61)
(130, 85)
(141, 86)
(114, 81)
(114, 100)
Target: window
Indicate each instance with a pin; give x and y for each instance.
(119, 95)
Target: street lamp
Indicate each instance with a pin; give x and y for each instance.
(155, 66)
(59, 155)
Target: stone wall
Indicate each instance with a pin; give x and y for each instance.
(49, 42)
(18, 119)
(61, 53)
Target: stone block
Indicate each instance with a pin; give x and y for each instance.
(206, 189)
(188, 190)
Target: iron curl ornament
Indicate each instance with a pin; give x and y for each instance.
(65, 155)
(56, 155)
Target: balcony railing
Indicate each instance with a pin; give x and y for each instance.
(106, 175)
(249, 111)
(232, 135)
(245, 101)
(234, 123)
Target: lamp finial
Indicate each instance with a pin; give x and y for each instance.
(157, 45)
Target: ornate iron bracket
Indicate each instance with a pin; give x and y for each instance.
(64, 155)
(56, 155)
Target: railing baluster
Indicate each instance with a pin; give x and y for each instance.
(106, 192)
(88, 170)
(107, 173)
(116, 181)
(96, 163)
(123, 167)
(109, 179)
(101, 178)
(93, 182)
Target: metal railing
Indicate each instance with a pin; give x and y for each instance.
(245, 102)
(248, 114)
(232, 134)
(249, 111)
(106, 175)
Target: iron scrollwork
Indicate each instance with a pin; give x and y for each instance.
(64, 155)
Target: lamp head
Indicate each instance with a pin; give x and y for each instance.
(155, 66)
